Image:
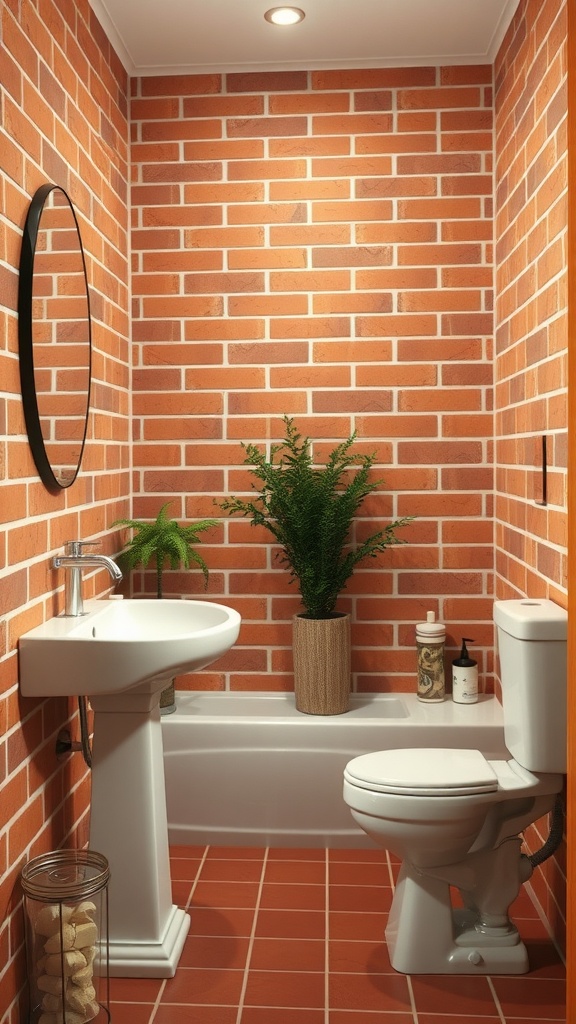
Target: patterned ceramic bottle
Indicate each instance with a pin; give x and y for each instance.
(430, 639)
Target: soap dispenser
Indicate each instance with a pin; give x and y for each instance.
(465, 676)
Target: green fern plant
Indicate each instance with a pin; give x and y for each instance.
(310, 511)
(165, 541)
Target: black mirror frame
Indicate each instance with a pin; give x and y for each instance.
(25, 340)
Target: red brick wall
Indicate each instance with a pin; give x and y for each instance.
(531, 313)
(63, 102)
(312, 244)
(320, 244)
(531, 332)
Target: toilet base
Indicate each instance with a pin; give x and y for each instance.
(426, 935)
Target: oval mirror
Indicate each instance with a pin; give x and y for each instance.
(54, 336)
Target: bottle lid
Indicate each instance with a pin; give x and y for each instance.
(431, 629)
(465, 661)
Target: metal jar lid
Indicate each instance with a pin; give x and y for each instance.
(65, 875)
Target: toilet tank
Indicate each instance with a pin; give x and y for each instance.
(532, 638)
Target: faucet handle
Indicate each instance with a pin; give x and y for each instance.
(74, 547)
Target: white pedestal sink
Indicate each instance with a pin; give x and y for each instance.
(121, 654)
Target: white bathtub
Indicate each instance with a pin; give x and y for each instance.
(249, 770)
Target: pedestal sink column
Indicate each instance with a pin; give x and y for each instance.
(129, 826)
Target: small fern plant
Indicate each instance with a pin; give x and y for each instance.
(165, 541)
(310, 511)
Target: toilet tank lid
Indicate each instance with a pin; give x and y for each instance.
(532, 619)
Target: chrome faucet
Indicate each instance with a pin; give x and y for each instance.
(74, 561)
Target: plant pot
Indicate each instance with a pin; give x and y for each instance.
(321, 650)
(168, 700)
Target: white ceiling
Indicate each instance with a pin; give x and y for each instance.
(155, 37)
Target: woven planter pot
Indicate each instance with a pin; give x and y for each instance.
(321, 649)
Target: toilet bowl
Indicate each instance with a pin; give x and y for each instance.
(454, 817)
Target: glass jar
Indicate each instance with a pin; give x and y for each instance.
(66, 916)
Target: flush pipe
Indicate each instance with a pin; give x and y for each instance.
(554, 838)
(84, 732)
(66, 745)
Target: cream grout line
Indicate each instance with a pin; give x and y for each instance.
(412, 999)
(327, 939)
(198, 872)
(390, 871)
(251, 940)
(157, 1003)
(497, 1005)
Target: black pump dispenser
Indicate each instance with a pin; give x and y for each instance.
(465, 676)
(465, 661)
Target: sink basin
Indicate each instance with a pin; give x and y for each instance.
(119, 645)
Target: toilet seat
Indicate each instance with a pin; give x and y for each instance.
(425, 771)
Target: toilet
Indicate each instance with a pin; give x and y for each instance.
(454, 817)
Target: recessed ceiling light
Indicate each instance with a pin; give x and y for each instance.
(284, 15)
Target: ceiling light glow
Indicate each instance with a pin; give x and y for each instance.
(284, 15)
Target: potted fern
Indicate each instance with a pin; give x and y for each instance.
(310, 511)
(169, 544)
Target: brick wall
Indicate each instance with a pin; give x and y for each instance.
(320, 244)
(531, 332)
(63, 103)
(317, 244)
(531, 312)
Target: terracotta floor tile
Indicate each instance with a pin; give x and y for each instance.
(371, 898)
(463, 994)
(531, 929)
(184, 869)
(286, 982)
(531, 998)
(290, 924)
(288, 955)
(536, 1020)
(299, 871)
(383, 992)
(281, 1015)
(187, 851)
(215, 951)
(181, 892)
(135, 1013)
(457, 1018)
(241, 852)
(545, 961)
(356, 856)
(282, 853)
(135, 990)
(226, 894)
(364, 873)
(358, 957)
(279, 896)
(523, 905)
(205, 986)
(285, 988)
(195, 1015)
(372, 1017)
(231, 871)
(352, 925)
(209, 921)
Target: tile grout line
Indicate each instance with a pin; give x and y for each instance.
(499, 1009)
(327, 938)
(187, 908)
(203, 860)
(251, 940)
